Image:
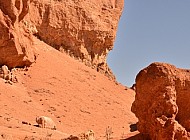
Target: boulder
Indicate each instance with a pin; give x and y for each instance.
(162, 102)
(45, 122)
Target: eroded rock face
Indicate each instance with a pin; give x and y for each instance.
(85, 29)
(162, 102)
(15, 42)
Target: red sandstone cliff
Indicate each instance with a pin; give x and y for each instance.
(84, 29)
(53, 84)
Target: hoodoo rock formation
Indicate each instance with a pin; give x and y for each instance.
(162, 102)
(15, 42)
(86, 29)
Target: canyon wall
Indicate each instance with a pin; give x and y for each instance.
(85, 29)
(162, 102)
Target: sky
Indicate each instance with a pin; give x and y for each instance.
(150, 31)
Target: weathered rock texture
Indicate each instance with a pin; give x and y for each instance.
(15, 40)
(162, 102)
(85, 29)
(9, 75)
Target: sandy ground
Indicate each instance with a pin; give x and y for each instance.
(75, 96)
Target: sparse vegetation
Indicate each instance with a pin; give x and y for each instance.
(109, 132)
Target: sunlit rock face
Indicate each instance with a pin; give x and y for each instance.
(162, 102)
(86, 29)
(15, 41)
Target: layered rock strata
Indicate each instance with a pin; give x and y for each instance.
(86, 29)
(15, 41)
(162, 102)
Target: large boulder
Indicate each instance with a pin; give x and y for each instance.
(162, 102)
(85, 29)
(15, 42)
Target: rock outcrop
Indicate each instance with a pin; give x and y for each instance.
(85, 29)
(162, 102)
(8, 75)
(15, 42)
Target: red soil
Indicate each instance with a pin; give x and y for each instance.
(75, 96)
